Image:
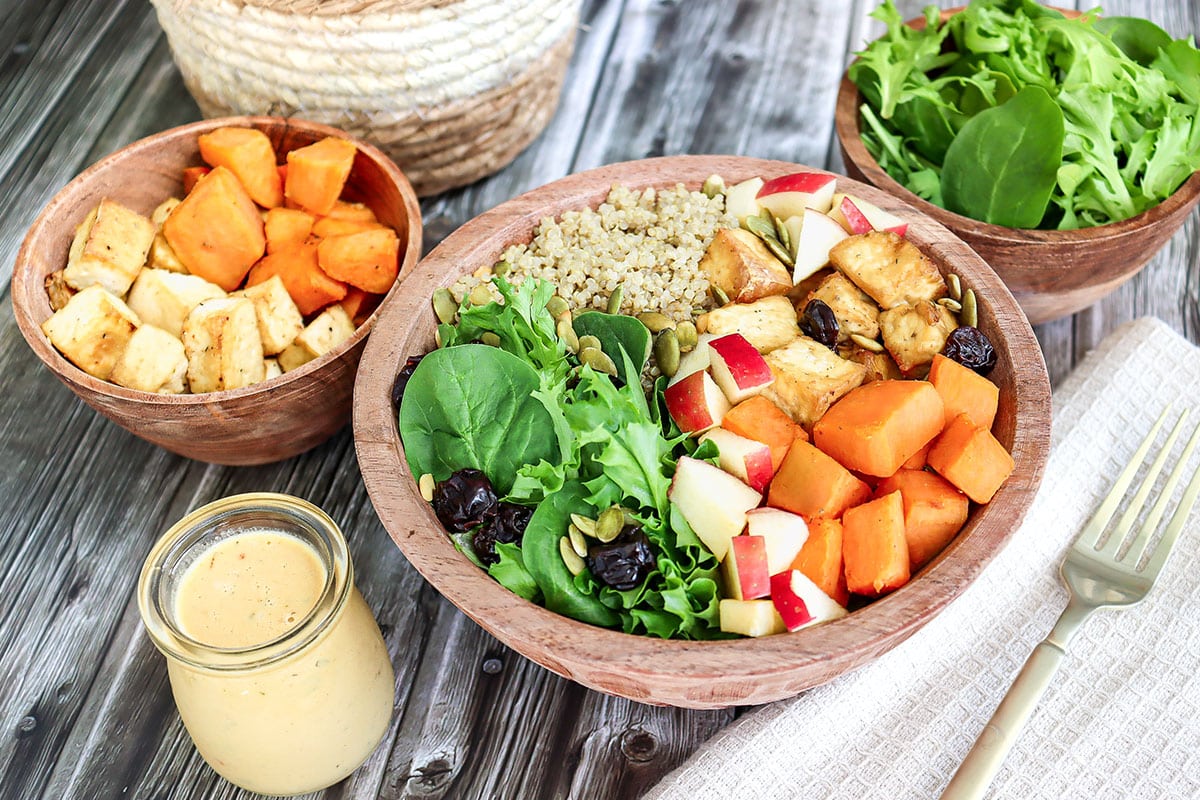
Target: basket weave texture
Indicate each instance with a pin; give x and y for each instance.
(451, 90)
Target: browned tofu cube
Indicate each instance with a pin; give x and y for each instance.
(767, 323)
(856, 312)
(741, 265)
(809, 377)
(880, 366)
(914, 334)
(889, 268)
(92, 330)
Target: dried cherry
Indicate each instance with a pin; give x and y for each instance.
(506, 526)
(624, 562)
(464, 500)
(402, 377)
(970, 347)
(819, 323)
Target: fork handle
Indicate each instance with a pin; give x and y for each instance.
(975, 774)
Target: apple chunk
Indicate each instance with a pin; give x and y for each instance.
(745, 568)
(737, 367)
(750, 617)
(740, 199)
(746, 459)
(788, 195)
(860, 216)
(783, 533)
(817, 234)
(800, 602)
(712, 501)
(696, 403)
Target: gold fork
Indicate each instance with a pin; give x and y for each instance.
(1098, 572)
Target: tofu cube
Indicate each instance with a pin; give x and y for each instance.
(159, 215)
(161, 256)
(914, 334)
(279, 321)
(809, 378)
(165, 299)
(889, 268)
(768, 323)
(880, 366)
(741, 265)
(153, 361)
(92, 330)
(856, 312)
(331, 327)
(223, 347)
(109, 248)
(271, 369)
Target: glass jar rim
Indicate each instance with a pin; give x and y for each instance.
(196, 531)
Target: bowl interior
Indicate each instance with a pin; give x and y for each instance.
(695, 674)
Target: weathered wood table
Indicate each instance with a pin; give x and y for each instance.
(85, 709)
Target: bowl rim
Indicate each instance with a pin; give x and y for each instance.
(847, 125)
(525, 626)
(23, 279)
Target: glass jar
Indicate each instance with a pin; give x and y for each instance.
(300, 709)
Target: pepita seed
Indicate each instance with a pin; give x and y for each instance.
(610, 523)
(501, 269)
(713, 186)
(427, 485)
(480, 296)
(597, 360)
(970, 309)
(955, 284)
(437, 336)
(566, 332)
(588, 340)
(655, 321)
(782, 233)
(761, 226)
(718, 295)
(557, 306)
(865, 343)
(574, 563)
(490, 339)
(614, 299)
(444, 306)
(685, 332)
(950, 303)
(666, 352)
(779, 251)
(578, 543)
(585, 524)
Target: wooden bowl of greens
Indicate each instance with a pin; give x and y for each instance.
(484, 409)
(1058, 190)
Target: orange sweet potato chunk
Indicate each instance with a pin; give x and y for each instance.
(761, 420)
(813, 485)
(192, 176)
(820, 559)
(971, 458)
(368, 259)
(316, 174)
(964, 391)
(934, 511)
(918, 459)
(876, 427)
(359, 304)
(310, 288)
(248, 154)
(340, 226)
(874, 547)
(286, 228)
(358, 212)
(216, 231)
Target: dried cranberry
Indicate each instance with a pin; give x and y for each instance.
(507, 526)
(402, 377)
(624, 562)
(820, 323)
(971, 348)
(464, 500)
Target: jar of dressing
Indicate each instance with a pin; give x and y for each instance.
(277, 666)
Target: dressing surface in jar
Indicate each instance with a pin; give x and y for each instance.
(276, 663)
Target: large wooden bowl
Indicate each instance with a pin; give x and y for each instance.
(693, 674)
(268, 421)
(1051, 273)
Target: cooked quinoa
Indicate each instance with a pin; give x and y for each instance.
(651, 242)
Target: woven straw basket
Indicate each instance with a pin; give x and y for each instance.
(452, 90)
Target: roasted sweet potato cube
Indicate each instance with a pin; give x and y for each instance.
(874, 547)
(217, 231)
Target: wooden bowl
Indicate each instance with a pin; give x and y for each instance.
(258, 424)
(681, 673)
(1051, 273)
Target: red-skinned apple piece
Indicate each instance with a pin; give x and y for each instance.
(783, 534)
(860, 216)
(789, 195)
(817, 233)
(713, 502)
(693, 360)
(740, 199)
(696, 403)
(745, 568)
(737, 367)
(746, 459)
(800, 602)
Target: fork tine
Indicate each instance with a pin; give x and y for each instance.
(1167, 541)
(1134, 507)
(1099, 521)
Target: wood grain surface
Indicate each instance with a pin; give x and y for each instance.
(85, 711)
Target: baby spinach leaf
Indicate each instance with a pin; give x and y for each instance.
(511, 573)
(618, 333)
(1140, 39)
(1002, 166)
(473, 406)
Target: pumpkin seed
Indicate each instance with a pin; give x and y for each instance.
(655, 321)
(427, 485)
(480, 296)
(578, 543)
(685, 332)
(614, 299)
(586, 525)
(718, 295)
(566, 332)
(970, 309)
(501, 269)
(437, 336)
(490, 339)
(713, 186)
(761, 226)
(574, 563)
(588, 340)
(610, 524)
(865, 343)
(597, 360)
(950, 303)
(557, 306)
(779, 251)
(782, 233)
(955, 284)
(666, 352)
(444, 306)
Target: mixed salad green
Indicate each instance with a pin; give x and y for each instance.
(1012, 114)
(558, 436)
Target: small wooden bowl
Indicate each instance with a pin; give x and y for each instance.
(1051, 273)
(258, 424)
(693, 674)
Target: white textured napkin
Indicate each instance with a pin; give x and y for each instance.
(1121, 719)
